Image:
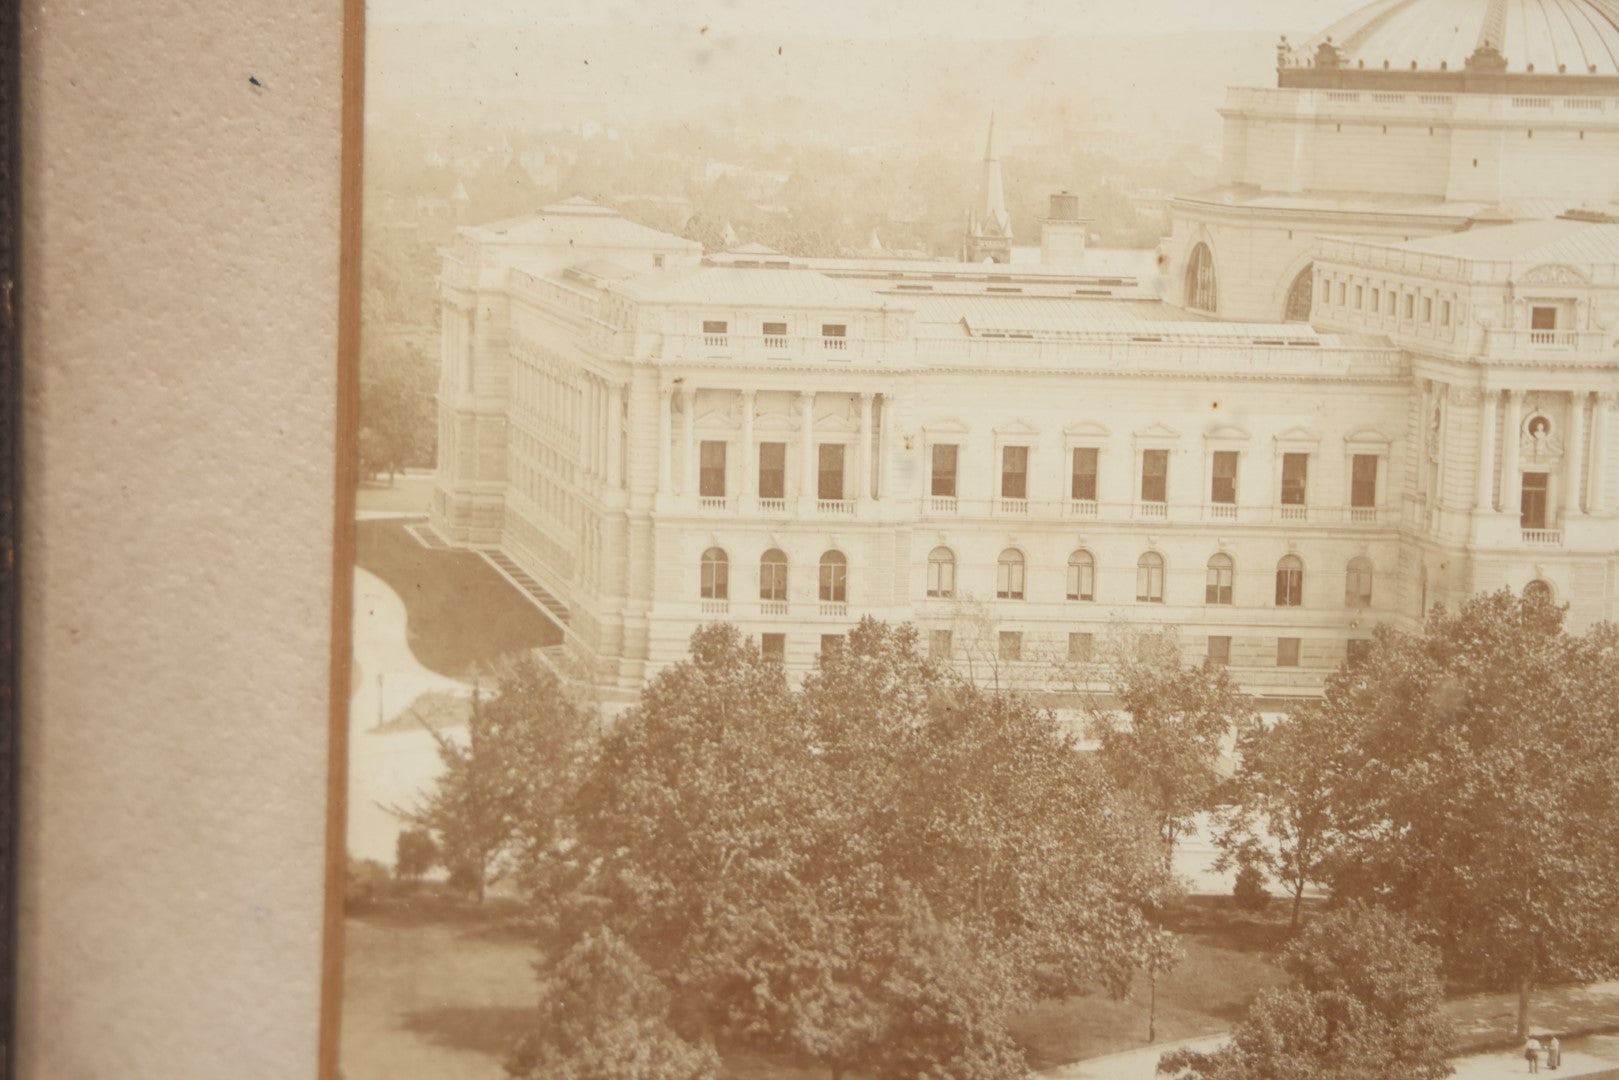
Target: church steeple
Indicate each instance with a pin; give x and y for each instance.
(989, 229)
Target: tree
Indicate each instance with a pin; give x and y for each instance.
(1163, 740)
(1287, 775)
(1364, 1005)
(498, 804)
(414, 854)
(604, 1016)
(398, 417)
(1479, 789)
(874, 871)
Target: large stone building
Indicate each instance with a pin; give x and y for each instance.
(1378, 371)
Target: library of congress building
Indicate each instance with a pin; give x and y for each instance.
(1375, 369)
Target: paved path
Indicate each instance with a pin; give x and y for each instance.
(1479, 1018)
(385, 768)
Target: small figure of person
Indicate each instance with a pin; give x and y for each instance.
(1554, 1053)
(1531, 1053)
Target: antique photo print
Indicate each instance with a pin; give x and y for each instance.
(967, 541)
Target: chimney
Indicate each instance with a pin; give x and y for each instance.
(1062, 233)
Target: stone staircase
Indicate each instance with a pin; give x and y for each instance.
(554, 609)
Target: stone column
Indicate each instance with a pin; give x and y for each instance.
(1441, 463)
(749, 473)
(1484, 495)
(1511, 474)
(666, 449)
(885, 448)
(862, 457)
(1574, 456)
(615, 436)
(688, 438)
(806, 443)
(1598, 500)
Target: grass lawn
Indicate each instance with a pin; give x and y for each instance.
(461, 614)
(436, 990)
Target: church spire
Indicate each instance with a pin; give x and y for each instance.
(995, 221)
(989, 227)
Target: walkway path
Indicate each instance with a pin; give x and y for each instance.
(386, 768)
(1479, 1019)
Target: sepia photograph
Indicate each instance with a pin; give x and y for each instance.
(941, 541)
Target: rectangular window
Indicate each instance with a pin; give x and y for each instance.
(1326, 291)
(711, 473)
(1444, 313)
(1011, 644)
(1014, 472)
(1534, 500)
(1295, 474)
(834, 330)
(829, 483)
(944, 469)
(1410, 306)
(773, 577)
(1360, 297)
(1343, 292)
(1083, 482)
(657, 262)
(1377, 301)
(1154, 475)
(1223, 490)
(774, 329)
(1363, 480)
(1287, 652)
(715, 326)
(1542, 318)
(831, 644)
(1427, 309)
(773, 647)
(1219, 651)
(1079, 647)
(772, 470)
(941, 645)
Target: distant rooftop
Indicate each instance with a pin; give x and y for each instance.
(729, 285)
(578, 222)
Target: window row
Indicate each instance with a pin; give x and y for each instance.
(1082, 644)
(1083, 471)
(1387, 300)
(716, 576)
(1010, 577)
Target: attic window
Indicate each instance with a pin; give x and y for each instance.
(774, 329)
(713, 326)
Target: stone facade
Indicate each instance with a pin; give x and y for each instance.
(1021, 460)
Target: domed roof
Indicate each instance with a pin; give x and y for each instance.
(1542, 37)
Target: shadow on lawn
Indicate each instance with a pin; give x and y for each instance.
(487, 1029)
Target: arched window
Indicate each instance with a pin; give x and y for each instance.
(1300, 296)
(1358, 583)
(773, 575)
(1009, 575)
(1221, 572)
(1201, 292)
(1289, 582)
(716, 575)
(1150, 578)
(941, 572)
(1081, 576)
(834, 578)
(1538, 590)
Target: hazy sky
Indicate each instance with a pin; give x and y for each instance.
(888, 18)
